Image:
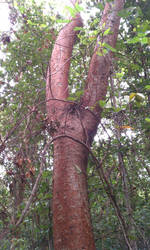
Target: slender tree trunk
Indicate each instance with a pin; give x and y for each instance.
(72, 125)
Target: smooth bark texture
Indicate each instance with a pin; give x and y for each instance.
(70, 200)
(71, 215)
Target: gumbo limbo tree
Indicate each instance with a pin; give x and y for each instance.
(114, 168)
(73, 126)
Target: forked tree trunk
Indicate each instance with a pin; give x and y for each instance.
(72, 125)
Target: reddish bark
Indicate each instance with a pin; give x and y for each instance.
(100, 66)
(71, 216)
(72, 225)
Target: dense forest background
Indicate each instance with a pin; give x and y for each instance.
(119, 162)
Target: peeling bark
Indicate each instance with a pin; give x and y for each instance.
(71, 215)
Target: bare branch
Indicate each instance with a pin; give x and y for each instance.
(60, 59)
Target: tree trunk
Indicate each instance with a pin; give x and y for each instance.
(73, 126)
(71, 218)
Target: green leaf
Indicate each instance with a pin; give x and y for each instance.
(138, 104)
(21, 9)
(71, 98)
(106, 32)
(62, 21)
(135, 39)
(117, 109)
(78, 28)
(147, 119)
(72, 11)
(106, 45)
(100, 6)
(147, 87)
(102, 103)
(124, 13)
(132, 95)
(31, 23)
(139, 97)
(135, 66)
(144, 40)
(43, 25)
(46, 174)
(79, 93)
(78, 7)
(102, 52)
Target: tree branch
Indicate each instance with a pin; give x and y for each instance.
(100, 65)
(60, 59)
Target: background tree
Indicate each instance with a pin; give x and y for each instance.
(118, 164)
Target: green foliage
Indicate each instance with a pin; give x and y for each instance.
(73, 11)
(23, 124)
